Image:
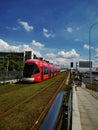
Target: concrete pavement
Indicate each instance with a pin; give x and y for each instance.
(85, 113)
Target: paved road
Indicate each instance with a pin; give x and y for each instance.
(88, 108)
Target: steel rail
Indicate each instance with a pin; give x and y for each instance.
(45, 110)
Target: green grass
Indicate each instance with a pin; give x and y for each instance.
(13, 94)
(23, 117)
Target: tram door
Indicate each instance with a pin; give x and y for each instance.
(41, 73)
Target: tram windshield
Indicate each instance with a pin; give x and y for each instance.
(29, 69)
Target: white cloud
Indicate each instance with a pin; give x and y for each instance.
(3, 44)
(57, 57)
(37, 44)
(97, 50)
(50, 55)
(68, 55)
(47, 34)
(54, 58)
(45, 30)
(5, 47)
(96, 56)
(69, 29)
(63, 58)
(26, 26)
(25, 47)
(86, 46)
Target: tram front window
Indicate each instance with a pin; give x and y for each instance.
(30, 69)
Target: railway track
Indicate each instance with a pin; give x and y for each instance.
(28, 113)
(41, 116)
(26, 100)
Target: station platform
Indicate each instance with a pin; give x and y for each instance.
(84, 109)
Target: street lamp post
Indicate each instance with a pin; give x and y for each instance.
(90, 62)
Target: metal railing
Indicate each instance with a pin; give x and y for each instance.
(60, 114)
(10, 75)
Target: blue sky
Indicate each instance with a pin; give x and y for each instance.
(57, 30)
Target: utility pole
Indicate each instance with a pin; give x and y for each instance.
(90, 60)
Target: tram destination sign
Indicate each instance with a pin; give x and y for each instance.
(85, 64)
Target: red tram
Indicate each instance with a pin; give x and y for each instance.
(36, 70)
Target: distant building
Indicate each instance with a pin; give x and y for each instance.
(5, 54)
(22, 55)
(28, 55)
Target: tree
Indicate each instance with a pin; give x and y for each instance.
(11, 62)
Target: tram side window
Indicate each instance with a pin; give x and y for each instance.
(52, 70)
(45, 70)
(35, 69)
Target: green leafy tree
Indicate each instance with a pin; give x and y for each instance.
(11, 62)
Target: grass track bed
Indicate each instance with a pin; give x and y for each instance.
(25, 114)
(12, 97)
